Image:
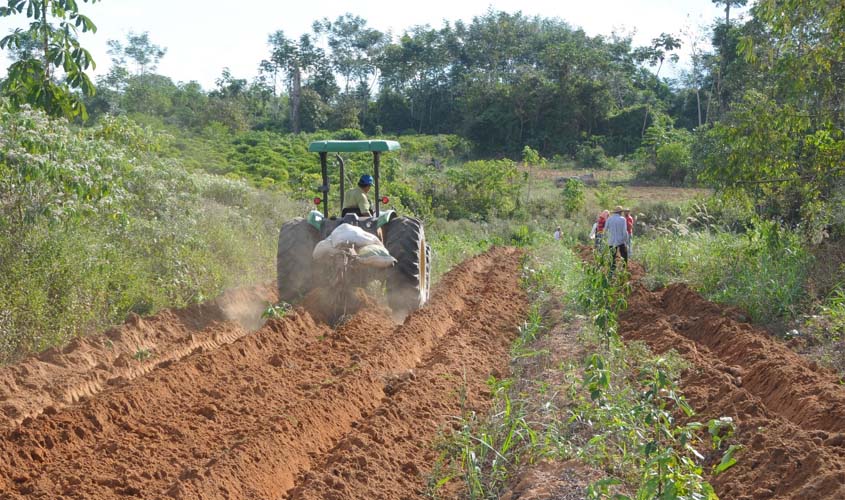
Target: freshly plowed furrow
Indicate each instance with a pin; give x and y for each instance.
(89, 365)
(788, 414)
(267, 458)
(242, 420)
(768, 369)
(161, 425)
(388, 454)
(207, 406)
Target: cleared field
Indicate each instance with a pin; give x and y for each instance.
(295, 409)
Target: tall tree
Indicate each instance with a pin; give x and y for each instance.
(145, 54)
(656, 53)
(355, 50)
(55, 25)
(728, 4)
(783, 141)
(292, 58)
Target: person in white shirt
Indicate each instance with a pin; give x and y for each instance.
(557, 234)
(616, 232)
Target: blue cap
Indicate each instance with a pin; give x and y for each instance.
(366, 180)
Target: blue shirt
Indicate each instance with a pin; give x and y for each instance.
(616, 230)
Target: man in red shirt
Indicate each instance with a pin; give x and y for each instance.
(600, 227)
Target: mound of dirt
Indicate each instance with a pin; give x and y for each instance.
(789, 414)
(88, 365)
(293, 409)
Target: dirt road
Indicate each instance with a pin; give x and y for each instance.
(192, 404)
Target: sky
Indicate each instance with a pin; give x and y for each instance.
(204, 36)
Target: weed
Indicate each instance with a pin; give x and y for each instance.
(142, 355)
(483, 451)
(276, 311)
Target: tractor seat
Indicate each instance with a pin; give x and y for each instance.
(351, 218)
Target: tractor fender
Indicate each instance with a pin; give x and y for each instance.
(316, 219)
(385, 217)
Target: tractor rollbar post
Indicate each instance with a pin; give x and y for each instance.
(342, 180)
(325, 187)
(376, 162)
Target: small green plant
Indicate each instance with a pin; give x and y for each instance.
(142, 355)
(602, 294)
(573, 197)
(484, 450)
(608, 197)
(531, 157)
(276, 311)
(528, 332)
(635, 428)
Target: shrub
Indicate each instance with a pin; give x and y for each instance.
(110, 226)
(590, 156)
(349, 134)
(482, 189)
(531, 157)
(573, 197)
(608, 197)
(673, 161)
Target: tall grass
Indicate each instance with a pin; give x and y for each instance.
(761, 271)
(453, 241)
(106, 226)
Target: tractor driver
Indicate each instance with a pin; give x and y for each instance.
(355, 200)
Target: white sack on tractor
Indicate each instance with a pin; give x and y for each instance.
(375, 256)
(325, 249)
(347, 234)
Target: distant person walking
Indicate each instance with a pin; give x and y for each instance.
(558, 234)
(616, 230)
(630, 220)
(600, 222)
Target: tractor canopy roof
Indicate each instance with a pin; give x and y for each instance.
(352, 146)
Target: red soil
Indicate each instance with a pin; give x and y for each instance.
(88, 365)
(295, 409)
(790, 414)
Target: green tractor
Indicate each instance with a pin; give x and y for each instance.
(407, 281)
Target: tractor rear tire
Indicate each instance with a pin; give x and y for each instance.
(409, 282)
(297, 240)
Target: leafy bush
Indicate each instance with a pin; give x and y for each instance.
(607, 197)
(349, 134)
(95, 223)
(673, 161)
(573, 197)
(532, 157)
(590, 156)
(482, 189)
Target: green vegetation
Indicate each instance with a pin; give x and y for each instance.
(106, 225)
(573, 197)
(762, 271)
(621, 411)
(171, 192)
(49, 46)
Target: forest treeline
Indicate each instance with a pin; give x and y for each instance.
(503, 80)
(760, 110)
